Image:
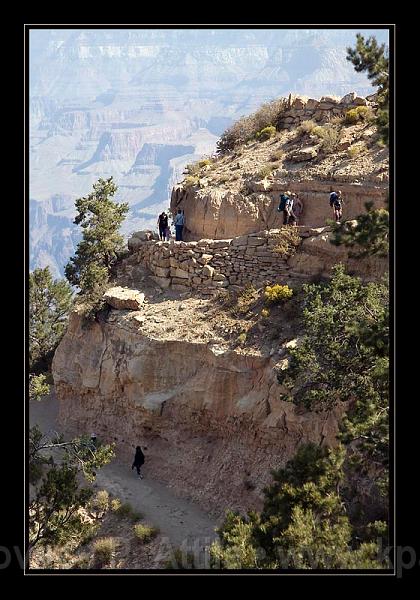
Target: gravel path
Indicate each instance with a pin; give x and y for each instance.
(179, 520)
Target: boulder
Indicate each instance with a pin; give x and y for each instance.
(123, 298)
(161, 272)
(312, 103)
(348, 98)
(146, 235)
(372, 97)
(299, 103)
(330, 99)
(304, 154)
(179, 273)
(359, 101)
(204, 259)
(162, 282)
(134, 244)
(208, 271)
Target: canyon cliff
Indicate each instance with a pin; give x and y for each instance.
(184, 360)
(100, 98)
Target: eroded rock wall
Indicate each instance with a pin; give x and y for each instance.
(213, 421)
(217, 213)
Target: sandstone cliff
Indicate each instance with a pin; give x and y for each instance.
(210, 416)
(174, 363)
(238, 193)
(172, 373)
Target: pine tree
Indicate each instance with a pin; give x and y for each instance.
(303, 524)
(370, 235)
(370, 57)
(100, 218)
(49, 305)
(56, 491)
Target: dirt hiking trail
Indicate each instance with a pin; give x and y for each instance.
(178, 519)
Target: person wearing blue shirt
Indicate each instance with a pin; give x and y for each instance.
(179, 223)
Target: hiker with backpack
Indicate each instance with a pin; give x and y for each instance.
(336, 203)
(163, 225)
(138, 461)
(179, 223)
(297, 209)
(285, 206)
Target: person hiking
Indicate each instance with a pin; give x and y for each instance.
(284, 206)
(138, 461)
(162, 224)
(167, 233)
(179, 223)
(297, 208)
(336, 203)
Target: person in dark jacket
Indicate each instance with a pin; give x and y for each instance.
(336, 203)
(138, 461)
(162, 224)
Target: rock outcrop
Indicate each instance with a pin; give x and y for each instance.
(123, 298)
(210, 418)
(217, 213)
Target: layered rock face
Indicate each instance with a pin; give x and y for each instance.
(217, 213)
(210, 419)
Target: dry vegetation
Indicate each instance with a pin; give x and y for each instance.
(115, 539)
(253, 150)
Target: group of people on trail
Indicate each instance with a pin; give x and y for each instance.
(292, 207)
(165, 230)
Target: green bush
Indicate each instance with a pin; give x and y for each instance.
(126, 511)
(336, 120)
(287, 240)
(115, 504)
(100, 503)
(330, 137)
(241, 338)
(88, 533)
(82, 562)
(205, 162)
(266, 133)
(306, 127)
(181, 560)
(191, 181)
(360, 113)
(356, 149)
(277, 155)
(331, 140)
(275, 294)
(319, 131)
(145, 533)
(192, 169)
(265, 172)
(103, 550)
(245, 128)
